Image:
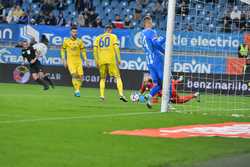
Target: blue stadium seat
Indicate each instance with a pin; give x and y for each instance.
(34, 6)
(55, 12)
(135, 23)
(69, 2)
(124, 4)
(130, 16)
(111, 15)
(105, 3)
(199, 6)
(96, 3)
(211, 27)
(138, 28)
(151, 5)
(117, 11)
(25, 6)
(114, 4)
(178, 19)
(209, 6)
(128, 11)
(107, 10)
(145, 11)
(192, 12)
(71, 7)
(105, 21)
(99, 10)
(163, 26)
(132, 5)
(198, 27)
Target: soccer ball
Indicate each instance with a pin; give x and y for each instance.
(134, 97)
(142, 99)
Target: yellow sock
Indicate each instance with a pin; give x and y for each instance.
(102, 87)
(119, 86)
(75, 84)
(79, 84)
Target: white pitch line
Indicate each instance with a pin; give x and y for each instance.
(76, 117)
(240, 109)
(12, 115)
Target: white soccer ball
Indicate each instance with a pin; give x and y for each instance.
(134, 97)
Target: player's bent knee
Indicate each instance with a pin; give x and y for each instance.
(117, 77)
(74, 75)
(41, 75)
(35, 76)
(102, 77)
(80, 76)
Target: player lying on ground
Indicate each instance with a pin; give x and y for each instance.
(151, 43)
(73, 61)
(36, 69)
(107, 56)
(175, 97)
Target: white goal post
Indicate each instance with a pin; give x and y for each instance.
(168, 55)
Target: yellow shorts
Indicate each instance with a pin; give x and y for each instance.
(110, 69)
(75, 68)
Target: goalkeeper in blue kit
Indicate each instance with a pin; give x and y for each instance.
(152, 45)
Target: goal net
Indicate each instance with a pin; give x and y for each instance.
(210, 52)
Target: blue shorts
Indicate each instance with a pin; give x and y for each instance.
(156, 73)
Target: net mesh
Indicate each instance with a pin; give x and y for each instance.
(208, 54)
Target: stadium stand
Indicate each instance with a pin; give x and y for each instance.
(232, 17)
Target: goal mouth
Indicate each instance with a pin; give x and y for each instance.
(209, 52)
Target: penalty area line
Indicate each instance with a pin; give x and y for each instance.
(77, 117)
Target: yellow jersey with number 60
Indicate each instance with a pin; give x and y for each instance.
(106, 49)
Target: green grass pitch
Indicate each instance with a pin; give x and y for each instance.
(55, 129)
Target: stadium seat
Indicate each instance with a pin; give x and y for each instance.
(107, 10)
(96, 3)
(134, 23)
(130, 16)
(99, 10)
(114, 4)
(124, 4)
(132, 5)
(117, 11)
(192, 12)
(105, 3)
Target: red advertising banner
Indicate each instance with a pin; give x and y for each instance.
(231, 129)
(235, 66)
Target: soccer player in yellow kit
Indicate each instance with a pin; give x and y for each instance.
(107, 56)
(74, 47)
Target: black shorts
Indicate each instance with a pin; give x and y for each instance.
(36, 67)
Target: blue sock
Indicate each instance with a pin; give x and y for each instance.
(155, 90)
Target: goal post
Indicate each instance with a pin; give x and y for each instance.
(168, 55)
